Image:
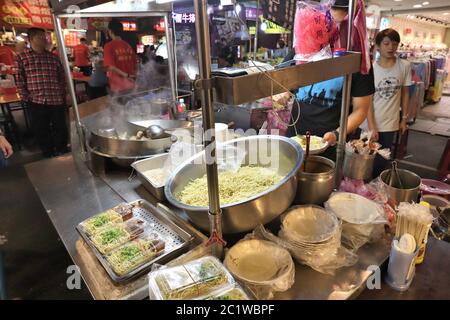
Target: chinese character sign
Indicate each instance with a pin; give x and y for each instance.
(183, 17)
(25, 14)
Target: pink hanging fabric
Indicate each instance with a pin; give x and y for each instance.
(359, 36)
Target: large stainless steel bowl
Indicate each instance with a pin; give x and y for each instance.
(281, 153)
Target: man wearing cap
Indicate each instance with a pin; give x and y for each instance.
(321, 102)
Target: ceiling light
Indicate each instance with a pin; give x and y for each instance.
(220, 7)
(446, 13)
(238, 8)
(263, 26)
(425, 3)
(417, 6)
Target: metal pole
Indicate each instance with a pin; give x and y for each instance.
(171, 57)
(66, 66)
(204, 64)
(256, 31)
(346, 100)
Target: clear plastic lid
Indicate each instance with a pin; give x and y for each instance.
(118, 234)
(135, 253)
(310, 224)
(194, 280)
(107, 219)
(235, 293)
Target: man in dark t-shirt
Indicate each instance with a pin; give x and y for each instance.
(320, 103)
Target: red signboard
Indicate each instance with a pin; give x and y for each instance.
(26, 13)
(129, 26)
(71, 39)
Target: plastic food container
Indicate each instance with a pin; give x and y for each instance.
(353, 208)
(262, 265)
(235, 293)
(135, 253)
(107, 219)
(117, 235)
(197, 279)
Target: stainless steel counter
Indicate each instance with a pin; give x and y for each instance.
(71, 193)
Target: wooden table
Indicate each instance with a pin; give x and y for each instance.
(80, 78)
(5, 105)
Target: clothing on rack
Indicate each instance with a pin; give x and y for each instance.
(360, 42)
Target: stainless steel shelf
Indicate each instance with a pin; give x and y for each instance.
(248, 88)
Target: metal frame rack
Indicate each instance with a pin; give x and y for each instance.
(255, 86)
(112, 9)
(233, 91)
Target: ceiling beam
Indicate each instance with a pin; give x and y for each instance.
(414, 10)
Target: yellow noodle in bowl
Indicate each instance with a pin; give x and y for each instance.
(234, 187)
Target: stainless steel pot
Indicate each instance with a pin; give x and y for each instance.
(411, 184)
(358, 166)
(259, 209)
(125, 148)
(167, 125)
(316, 183)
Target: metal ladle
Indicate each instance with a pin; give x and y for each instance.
(155, 132)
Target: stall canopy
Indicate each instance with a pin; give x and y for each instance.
(25, 14)
(121, 6)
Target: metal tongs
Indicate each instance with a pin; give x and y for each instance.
(393, 177)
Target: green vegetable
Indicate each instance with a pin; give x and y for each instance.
(129, 253)
(100, 220)
(111, 235)
(207, 270)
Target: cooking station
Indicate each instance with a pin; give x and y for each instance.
(97, 176)
(70, 193)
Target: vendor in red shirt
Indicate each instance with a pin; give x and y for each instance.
(119, 60)
(81, 54)
(7, 55)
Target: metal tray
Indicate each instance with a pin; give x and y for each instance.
(154, 162)
(176, 239)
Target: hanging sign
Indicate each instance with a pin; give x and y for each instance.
(272, 28)
(26, 13)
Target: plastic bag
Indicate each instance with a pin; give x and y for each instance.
(324, 53)
(281, 266)
(278, 118)
(374, 191)
(360, 217)
(314, 29)
(326, 261)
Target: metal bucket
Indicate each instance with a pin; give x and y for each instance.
(316, 183)
(411, 184)
(358, 166)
